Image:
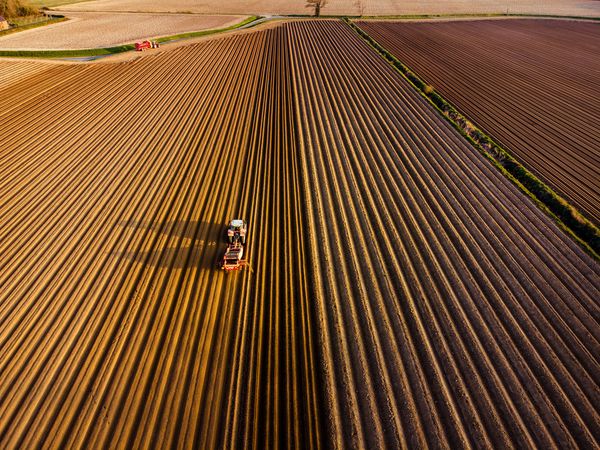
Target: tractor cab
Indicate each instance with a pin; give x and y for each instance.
(237, 231)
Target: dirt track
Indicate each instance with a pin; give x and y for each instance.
(402, 291)
(531, 84)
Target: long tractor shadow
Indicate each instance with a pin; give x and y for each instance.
(176, 244)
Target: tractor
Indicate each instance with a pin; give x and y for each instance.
(140, 46)
(236, 239)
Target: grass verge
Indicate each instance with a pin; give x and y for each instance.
(568, 218)
(91, 52)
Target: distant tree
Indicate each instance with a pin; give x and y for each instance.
(317, 4)
(16, 8)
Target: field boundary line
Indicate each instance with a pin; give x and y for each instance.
(470, 16)
(106, 51)
(565, 215)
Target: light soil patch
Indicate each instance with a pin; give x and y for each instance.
(347, 7)
(103, 29)
(551, 7)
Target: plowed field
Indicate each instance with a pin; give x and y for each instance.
(450, 312)
(531, 84)
(115, 326)
(13, 71)
(401, 292)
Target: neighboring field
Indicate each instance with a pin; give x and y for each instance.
(402, 292)
(532, 85)
(351, 7)
(93, 30)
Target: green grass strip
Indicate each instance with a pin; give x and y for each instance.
(91, 52)
(568, 218)
(195, 34)
(67, 53)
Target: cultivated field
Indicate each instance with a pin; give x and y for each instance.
(401, 291)
(96, 29)
(352, 7)
(117, 180)
(450, 311)
(533, 85)
(13, 71)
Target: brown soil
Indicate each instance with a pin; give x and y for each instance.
(447, 311)
(114, 320)
(531, 84)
